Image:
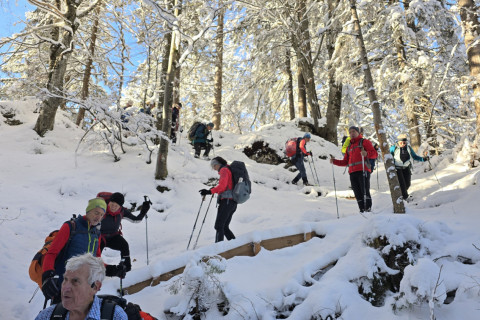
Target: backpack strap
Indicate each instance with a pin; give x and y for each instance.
(107, 309)
(59, 312)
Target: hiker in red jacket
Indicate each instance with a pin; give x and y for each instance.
(357, 158)
(226, 205)
(74, 238)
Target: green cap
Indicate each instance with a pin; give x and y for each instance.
(96, 203)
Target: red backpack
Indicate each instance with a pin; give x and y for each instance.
(291, 146)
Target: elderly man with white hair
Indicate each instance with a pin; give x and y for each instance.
(82, 280)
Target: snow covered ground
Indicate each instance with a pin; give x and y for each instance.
(43, 181)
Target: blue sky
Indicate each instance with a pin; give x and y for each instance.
(12, 12)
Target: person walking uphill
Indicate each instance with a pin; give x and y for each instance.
(201, 142)
(111, 234)
(357, 158)
(297, 159)
(74, 237)
(403, 156)
(226, 204)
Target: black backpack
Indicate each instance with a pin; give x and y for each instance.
(107, 309)
(193, 129)
(242, 186)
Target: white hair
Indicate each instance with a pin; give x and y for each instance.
(95, 265)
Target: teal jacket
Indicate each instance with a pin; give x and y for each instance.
(395, 151)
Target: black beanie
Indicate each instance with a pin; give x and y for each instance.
(118, 198)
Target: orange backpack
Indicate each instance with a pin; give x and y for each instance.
(36, 266)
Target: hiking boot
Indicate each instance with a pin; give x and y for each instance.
(307, 184)
(196, 156)
(294, 182)
(206, 157)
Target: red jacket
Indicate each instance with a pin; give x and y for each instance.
(225, 183)
(353, 157)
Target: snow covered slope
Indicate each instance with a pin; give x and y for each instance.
(43, 181)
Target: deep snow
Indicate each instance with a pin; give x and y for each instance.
(43, 182)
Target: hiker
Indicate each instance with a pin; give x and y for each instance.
(201, 142)
(346, 141)
(297, 159)
(175, 121)
(82, 280)
(226, 204)
(403, 156)
(111, 234)
(357, 158)
(74, 237)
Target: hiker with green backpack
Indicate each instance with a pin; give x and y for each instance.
(198, 134)
(357, 157)
(75, 237)
(82, 280)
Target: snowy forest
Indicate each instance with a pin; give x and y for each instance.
(258, 69)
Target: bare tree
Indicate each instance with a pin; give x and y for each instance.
(217, 101)
(63, 31)
(288, 71)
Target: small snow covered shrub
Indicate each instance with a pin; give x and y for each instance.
(199, 290)
(421, 283)
(262, 153)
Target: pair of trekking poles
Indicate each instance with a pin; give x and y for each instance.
(316, 180)
(196, 220)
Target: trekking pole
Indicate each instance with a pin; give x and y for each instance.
(146, 225)
(34, 293)
(335, 188)
(203, 222)
(378, 184)
(315, 168)
(364, 185)
(121, 264)
(196, 219)
(431, 169)
(313, 176)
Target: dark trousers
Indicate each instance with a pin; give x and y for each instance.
(302, 173)
(117, 242)
(173, 135)
(360, 181)
(404, 178)
(198, 146)
(226, 208)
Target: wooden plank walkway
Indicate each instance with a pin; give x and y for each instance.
(250, 249)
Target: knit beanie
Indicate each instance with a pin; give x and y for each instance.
(354, 128)
(96, 203)
(210, 124)
(118, 198)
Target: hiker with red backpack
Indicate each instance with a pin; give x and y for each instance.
(298, 158)
(226, 205)
(83, 278)
(75, 237)
(357, 158)
(111, 227)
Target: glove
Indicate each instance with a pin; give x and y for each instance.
(210, 140)
(310, 154)
(133, 311)
(426, 158)
(204, 192)
(116, 271)
(50, 287)
(145, 207)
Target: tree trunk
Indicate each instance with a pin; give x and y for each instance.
(88, 67)
(409, 91)
(301, 45)
(334, 107)
(161, 170)
(59, 54)
(163, 75)
(471, 30)
(398, 205)
(291, 99)
(217, 102)
(302, 93)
